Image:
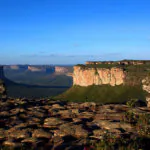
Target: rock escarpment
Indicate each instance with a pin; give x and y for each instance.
(146, 87)
(36, 69)
(2, 86)
(98, 76)
(60, 70)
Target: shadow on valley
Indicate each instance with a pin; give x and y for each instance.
(32, 91)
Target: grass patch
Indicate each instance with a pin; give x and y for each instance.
(103, 94)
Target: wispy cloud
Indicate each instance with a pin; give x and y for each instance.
(72, 56)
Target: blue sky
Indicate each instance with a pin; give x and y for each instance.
(73, 31)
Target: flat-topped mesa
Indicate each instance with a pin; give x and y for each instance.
(122, 62)
(60, 70)
(85, 76)
(99, 62)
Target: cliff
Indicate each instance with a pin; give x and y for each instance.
(60, 70)
(98, 76)
(146, 87)
(36, 69)
(2, 85)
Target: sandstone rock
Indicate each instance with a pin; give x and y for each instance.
(33, 121)
(19, 134)
(72, 124)
(99, 132)
(36, 69)
(108, 125)
(40, 133)
(74, 130)
(75, 111)
(57, 106)
(90, 105)
(77, 120)
(2, 89)
(86, 115)
(4, 114)
(33, 141)
(11, 144)
(52, 122)
(2, 134)
(65, 114)
(21, 126)
(108, 116)
(146, 87)
(57, 141)
(59, 133)
(99, 76)
(61, 70)
(148, 101)
(72, 105)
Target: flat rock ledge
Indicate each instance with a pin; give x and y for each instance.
(45, 124)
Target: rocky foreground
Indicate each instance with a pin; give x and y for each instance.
(56, 125)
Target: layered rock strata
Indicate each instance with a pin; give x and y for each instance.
(98, 76)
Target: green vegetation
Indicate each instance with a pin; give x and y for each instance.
(136, 73)
(132, 103)
(139, 141)
(99, 65)
(110, 142)
(103, 94)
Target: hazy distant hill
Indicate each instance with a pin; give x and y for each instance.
(24, 83)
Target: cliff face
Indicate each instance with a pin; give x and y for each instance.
(2, 86)
(36, 69)
(146, 87)
(61, 69)
(99, 76)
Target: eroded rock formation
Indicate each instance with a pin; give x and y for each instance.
(2, 86)
(36, 69)
(146, 87)
(98, 76)
(60, 69)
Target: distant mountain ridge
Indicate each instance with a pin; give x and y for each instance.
(41, 68)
